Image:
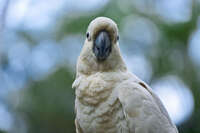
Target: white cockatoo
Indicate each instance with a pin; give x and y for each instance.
(109, 99)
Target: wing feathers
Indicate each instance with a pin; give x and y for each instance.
(143, 109)
(157, 100)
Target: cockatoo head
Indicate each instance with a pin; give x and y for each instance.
(100, 51)
(102, 33)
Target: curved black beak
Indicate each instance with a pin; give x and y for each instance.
(102, 46)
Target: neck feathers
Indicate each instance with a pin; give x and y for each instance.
(88, 64)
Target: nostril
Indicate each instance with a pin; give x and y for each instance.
(107, 49)
(97, 49)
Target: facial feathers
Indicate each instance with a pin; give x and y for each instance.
(92, 53)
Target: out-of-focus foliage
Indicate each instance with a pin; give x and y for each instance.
(46, 105)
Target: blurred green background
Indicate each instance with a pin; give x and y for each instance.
(40, 41)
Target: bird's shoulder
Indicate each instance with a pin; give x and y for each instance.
(135, 92)
(139, 103)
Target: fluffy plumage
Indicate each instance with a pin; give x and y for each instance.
(109, 99)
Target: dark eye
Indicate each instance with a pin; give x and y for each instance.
(118, 37)
(87, 35)
(97, 48)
